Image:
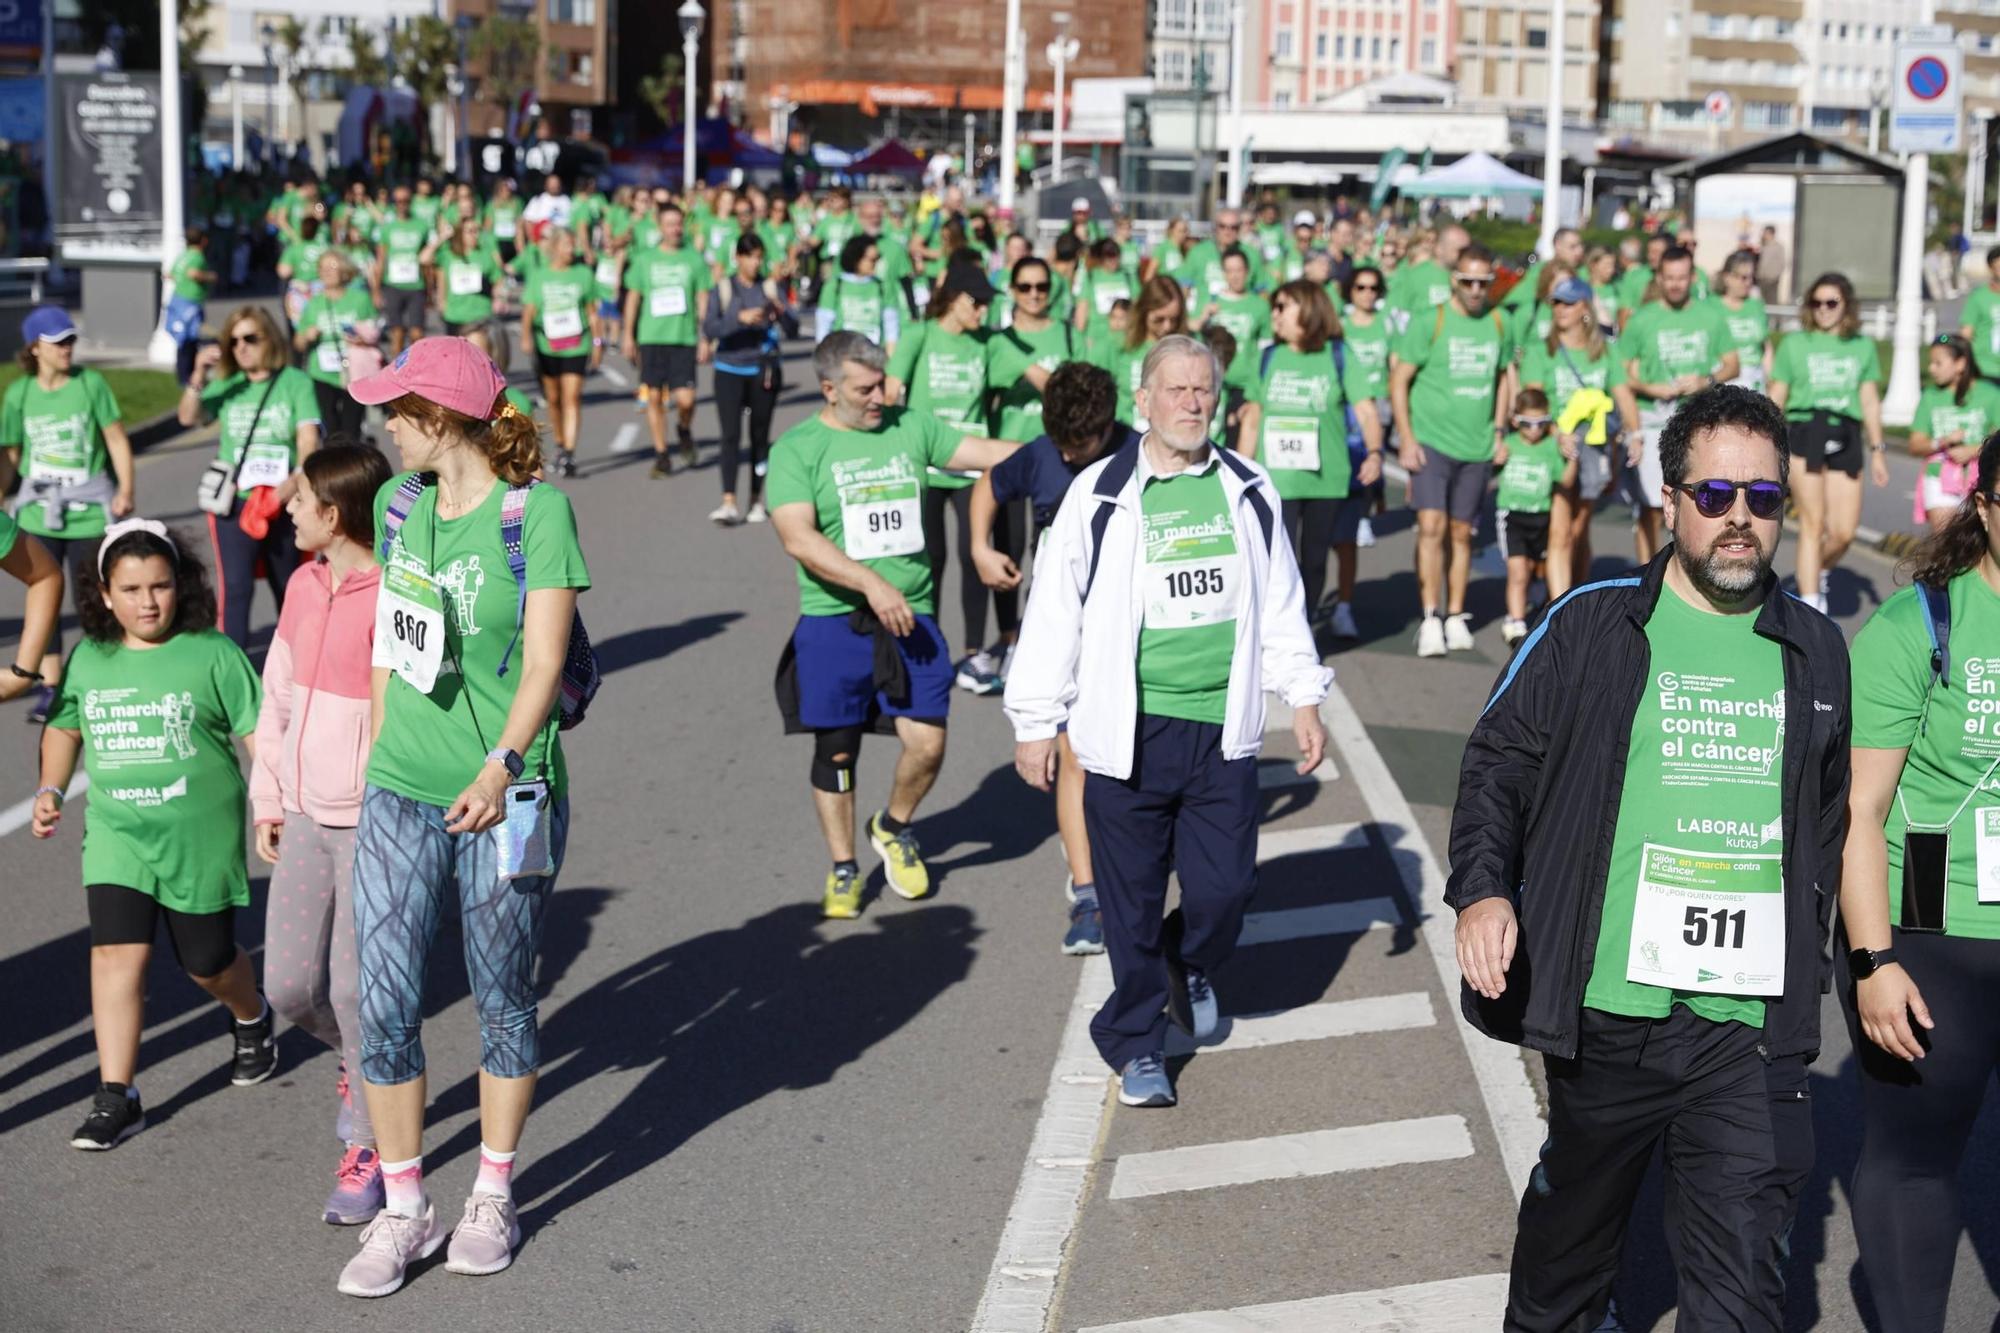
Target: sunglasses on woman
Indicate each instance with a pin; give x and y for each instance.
(1025, 287)
(1367, 287)
(1833, 304)
(246, 340)
(1714, 498)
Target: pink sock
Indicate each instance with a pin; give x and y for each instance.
(496, 1173)
(403, 1186)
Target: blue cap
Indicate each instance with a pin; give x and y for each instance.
(1570, 291)
(47, 323)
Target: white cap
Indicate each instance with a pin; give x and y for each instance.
(1079, 205)
(1305, 217)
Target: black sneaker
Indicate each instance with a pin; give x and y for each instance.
(663, 465)
(566, 463)
(115, 1116)
(256, 1051)
(689, 454)
(44, 703)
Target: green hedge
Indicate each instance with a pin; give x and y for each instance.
(141, 394)
(1513, 241)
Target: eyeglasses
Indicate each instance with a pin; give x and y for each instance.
(245, 339)
(1366, 287)
(1834, 304)
(1714, 498)
(1525, 422)
(1464, 281)
(1031, 287)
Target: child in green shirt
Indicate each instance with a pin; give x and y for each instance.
(1533, 464)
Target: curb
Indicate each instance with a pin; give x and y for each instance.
(159, 430)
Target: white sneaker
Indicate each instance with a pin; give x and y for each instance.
(726, 514)
(1817, 601)
(757, 514)
(1458, 633)
(1343, 622)
(1825, 584)
(1365, 534)
(1512, 630)
(1430, 637)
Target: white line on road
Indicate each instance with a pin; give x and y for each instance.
(1311, 1022)
(1298, 923)
(1022, 1284)
(18, 814)
(627, 438)
(1319, 1152)
(616, 376)
(1502, 1077)
(1304, 841)
(1450, 1306)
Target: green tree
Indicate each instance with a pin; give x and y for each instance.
(662, 92)
(506, 49)
(292, 38)
(366, 67)
(420, 51)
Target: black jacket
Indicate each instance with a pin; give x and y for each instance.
(1539, 791)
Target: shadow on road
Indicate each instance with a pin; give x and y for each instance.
(721, 1021)
(639, 646)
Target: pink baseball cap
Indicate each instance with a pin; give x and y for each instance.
(450, 372)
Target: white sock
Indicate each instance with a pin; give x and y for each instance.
(496, 1173)
(403, 1187)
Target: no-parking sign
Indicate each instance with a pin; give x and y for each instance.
(1924, 110)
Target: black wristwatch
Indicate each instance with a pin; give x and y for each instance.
(34, 676)
(507, 759)
(1865, 963)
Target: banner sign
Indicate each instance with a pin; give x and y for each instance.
(109, 138)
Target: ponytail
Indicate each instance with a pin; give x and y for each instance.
(513, 444)
(1961, 543)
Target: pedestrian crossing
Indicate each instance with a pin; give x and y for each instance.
(1122, 1167)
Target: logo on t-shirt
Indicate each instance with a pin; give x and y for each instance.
(125, 730)
(461, 581)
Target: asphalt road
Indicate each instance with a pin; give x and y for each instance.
(753, 1121)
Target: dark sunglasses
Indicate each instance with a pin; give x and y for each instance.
(246, 340)
(1714, 498)
(1031, 286)
(1367, 287)
(1471, 282)
(1834, 304)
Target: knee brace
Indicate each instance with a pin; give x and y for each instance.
(834, 753)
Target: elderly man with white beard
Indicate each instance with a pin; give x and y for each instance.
(1166, 604)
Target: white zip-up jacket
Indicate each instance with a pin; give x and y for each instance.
(1077, 660)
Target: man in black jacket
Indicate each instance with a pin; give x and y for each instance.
(1644, 854)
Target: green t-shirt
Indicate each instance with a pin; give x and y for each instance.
(1668, 343)
(291, 403)
(433, 745)
(303, 257)
(184, 267)
(946, 378)
(1939, 413)
(1201, 271)
(1749, 329)
(1187, 636)
(167, 794)
(1126, 364)
(61, 439)
(1529, 479)
(719, 245)
(1099, 291)
(585, 212)
(1009, 353)
(403, 240)
(833, 232)
(10, 533)
(858, 304)
(1417, 288)
(1367, 354)
(1981, 314)
(1952, 735)
(1302, 434)
(1703, 804)
(1248, 319)
(1560, 374)
(503, 220)
(1532, 322)
(326, 358)
(1632, 285)
(670, 284)
(468, 284)
(424, 208)
(1825, 372)
(1522, 294)
(562, 298)
(867, 489)
(1459, 361)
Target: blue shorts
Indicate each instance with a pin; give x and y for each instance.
(836, 674)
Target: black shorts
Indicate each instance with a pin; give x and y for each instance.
(1827, 442)
(403, 309)
(1524, 534)
(555, 367)
(666, 366)
(460, 330)
(205, 943)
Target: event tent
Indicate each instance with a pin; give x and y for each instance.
(1476, 175)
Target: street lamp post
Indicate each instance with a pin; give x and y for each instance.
(1899, 398)
(1239, 144)
(236, 117)
(465, 25)
(1552, 133)
(965, 169)
(270, 35)
(691, 15)
(161, 351)
(1011, 83)
(1062, 50)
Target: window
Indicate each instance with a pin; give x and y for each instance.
(1716, 25)
(1826, 31)
(1672, 25)
(1829, 118)
(1340, 46)
(1395, 50)
(1843, 32)
(1683, 115)
(1282, 47)
(1281, 98)
(573, 11)
(1427, 54)
(1538, 39)
(1319, 45)
(1174, 68)
(1782, 27)
(1767, 115)
(581, 71)
(1214, 18)
(1626, 114)
(1374, 48)
(1175, 15)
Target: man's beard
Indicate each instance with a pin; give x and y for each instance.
(1722, 579)
(1196, 442)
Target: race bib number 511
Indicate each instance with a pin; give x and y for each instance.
(1712, 922)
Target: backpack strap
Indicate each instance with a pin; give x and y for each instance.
(400, 505)
(1264, 362)
(1937, 625)
(513, 522)
(1117, 472)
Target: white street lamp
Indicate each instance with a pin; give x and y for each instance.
(270, 35)
(161, 351)
(1552, 133)
(692, 16)
(1061, 51)
(1010, 107)
(1239, 144)
(1899, 398)
(236, 117)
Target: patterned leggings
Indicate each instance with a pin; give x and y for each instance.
(310, 973)
(404, 862)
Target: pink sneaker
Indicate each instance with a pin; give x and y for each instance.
(486, 1238)
(357, 1189)
(391, 1243)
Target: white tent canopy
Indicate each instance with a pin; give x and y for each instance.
(1472, 176)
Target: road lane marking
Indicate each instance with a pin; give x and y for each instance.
(1498, 1067)
(18, 815)
(615, 375)
(1299, 923)
(1311, 1022)
(627, 438)
(1450, 1306)
(1319, 1152)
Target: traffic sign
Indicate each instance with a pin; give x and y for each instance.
(1718, 104)
(1925, 104)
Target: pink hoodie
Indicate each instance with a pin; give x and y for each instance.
(313, 731)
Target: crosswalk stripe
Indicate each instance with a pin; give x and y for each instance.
(1298, 923)
(627, 438)
(1312, 1022)
(616, 376)
(1274, 843)
(1449, 1306)
(1320, 1152)
(22, 812)
(1275, 774)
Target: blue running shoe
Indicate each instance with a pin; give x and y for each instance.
(1144, 1082)
(1086, 928)
(1201, 1006)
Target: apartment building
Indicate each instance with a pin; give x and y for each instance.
(1302, 52)
(1503, 54)
(576, 76)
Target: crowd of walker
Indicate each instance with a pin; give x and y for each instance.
(1163, 465)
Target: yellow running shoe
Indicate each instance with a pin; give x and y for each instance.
(843, 894)
(902, 860)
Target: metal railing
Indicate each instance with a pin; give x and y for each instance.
(22, 278)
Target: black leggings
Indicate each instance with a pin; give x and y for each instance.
(1916, 1121)
(733, 394)
(204, 942)
(340, 417)
(236, 557)
(1009, 535)
(1309, 524)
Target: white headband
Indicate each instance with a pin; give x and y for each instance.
(125, 528)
